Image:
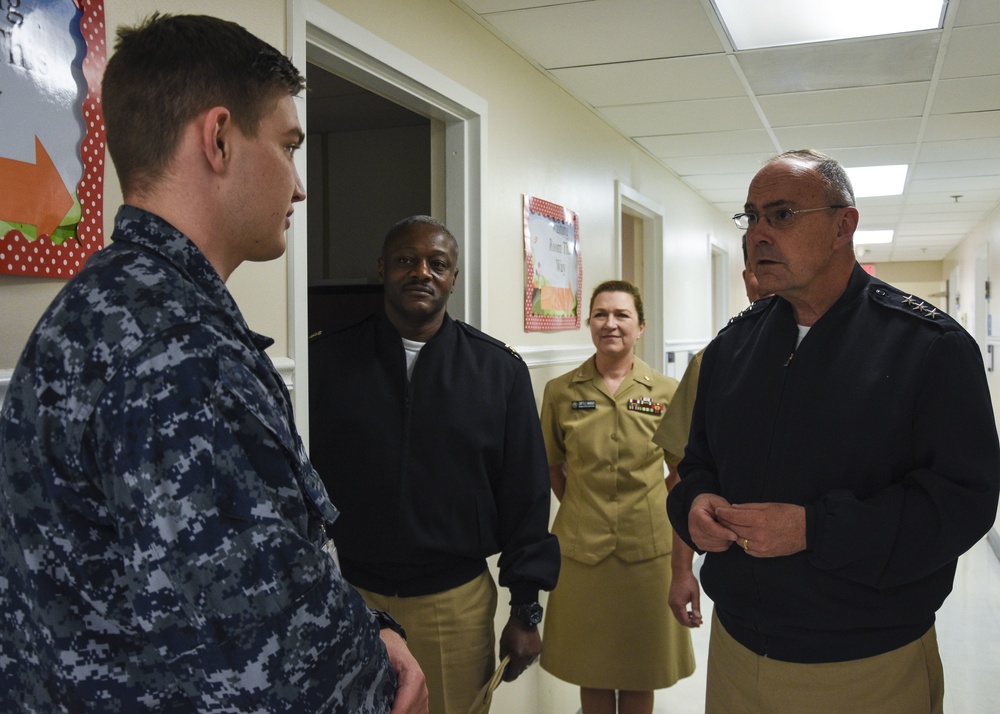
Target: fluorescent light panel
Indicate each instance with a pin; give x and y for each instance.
(872, 237)
(877, 180)
(753, 24)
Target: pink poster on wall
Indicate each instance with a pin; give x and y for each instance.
(553, 270)
(52, 56)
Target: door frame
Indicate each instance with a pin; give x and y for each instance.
(318, 34)
(651, 214)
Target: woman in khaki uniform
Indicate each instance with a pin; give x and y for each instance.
(608, 627)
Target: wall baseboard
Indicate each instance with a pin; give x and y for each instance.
(555, 355)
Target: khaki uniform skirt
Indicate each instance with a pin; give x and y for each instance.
(608, 626)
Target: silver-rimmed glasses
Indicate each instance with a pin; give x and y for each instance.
(776, 217)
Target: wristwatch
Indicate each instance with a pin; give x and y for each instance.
(387, 621)
(530, 613)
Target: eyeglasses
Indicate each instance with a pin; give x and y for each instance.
(776, 217)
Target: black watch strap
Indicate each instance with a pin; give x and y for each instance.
(530, 613)
(387, 621)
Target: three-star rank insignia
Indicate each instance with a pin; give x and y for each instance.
(646, 406)
(920, 306)
(907, 303)
(740, 314)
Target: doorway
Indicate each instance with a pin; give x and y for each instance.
(639, 234)
(320, 36)
(720, 288)
(369, 165)
(981, 329)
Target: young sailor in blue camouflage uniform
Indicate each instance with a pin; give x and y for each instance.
(162, 539)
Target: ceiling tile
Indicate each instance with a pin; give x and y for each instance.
(951, 169)
(873, 154)
(713, 144)
(971, 217)
(903, 254)
(727, 200)
(977, 12)
(835, 65)
(715, 182)
(972, 52)
(854, 104)
(650, 81)
(957, 185)
(747, 164)
(729, 114)
(602, 31)
(848, 133)
(973, 125)
(877, 221)
(972, 94)
(930, 231)
(985, 148)
(881, 205)
(969, 198)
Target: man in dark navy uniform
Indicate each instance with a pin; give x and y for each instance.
(842, 456)
(427, 437)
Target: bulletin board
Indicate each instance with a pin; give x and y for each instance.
(553, 269)
(52, 57)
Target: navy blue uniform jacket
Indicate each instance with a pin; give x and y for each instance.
(431, 476)
(880, 424)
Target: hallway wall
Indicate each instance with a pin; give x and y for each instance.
(542, 142)
(985, 237)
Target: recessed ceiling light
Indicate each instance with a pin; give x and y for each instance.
(771, 23)
(872, 237)
(877, 180)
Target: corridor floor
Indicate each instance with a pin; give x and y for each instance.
(968, 628)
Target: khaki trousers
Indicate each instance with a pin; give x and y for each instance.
(451, 635)
(908, 680)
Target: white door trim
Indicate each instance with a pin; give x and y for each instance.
(318, 34)
(652, 216)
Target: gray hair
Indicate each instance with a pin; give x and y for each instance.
(838, 184)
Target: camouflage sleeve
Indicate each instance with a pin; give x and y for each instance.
(244, 609)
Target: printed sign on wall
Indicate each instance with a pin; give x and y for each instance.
(553, 271)
(52, 56)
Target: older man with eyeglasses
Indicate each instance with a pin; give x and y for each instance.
(843, 454)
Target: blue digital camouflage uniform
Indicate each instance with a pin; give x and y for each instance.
(162, 526)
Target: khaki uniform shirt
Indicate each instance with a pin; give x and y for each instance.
(672, 434)
(615, 500)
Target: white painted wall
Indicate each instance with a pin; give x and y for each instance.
(986, 236)
(542, 142)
